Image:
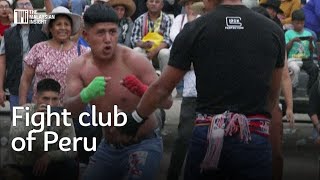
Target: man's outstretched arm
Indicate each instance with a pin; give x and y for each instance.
(159, 90)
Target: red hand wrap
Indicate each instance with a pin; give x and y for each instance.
(134, 85)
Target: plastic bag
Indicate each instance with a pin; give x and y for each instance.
(154, 37)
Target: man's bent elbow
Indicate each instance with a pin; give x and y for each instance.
(167, 103)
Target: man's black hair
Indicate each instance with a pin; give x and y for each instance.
(14, 4)
(48, 84)
(298, 15)
(99, 13)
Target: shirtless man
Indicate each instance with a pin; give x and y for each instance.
(97, 78)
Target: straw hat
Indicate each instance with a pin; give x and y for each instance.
(128, 4)
(76, 19)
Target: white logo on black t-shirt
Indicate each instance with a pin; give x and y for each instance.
(233, 23)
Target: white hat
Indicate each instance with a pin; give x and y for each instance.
(76, 19)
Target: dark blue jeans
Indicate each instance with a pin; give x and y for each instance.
(238, 161)
(135, 162)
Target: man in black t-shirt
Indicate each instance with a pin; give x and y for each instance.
(238, 65)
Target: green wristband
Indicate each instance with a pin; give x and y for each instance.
(95, 89)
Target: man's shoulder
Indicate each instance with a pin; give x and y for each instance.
(40, 46)
(126, 52)
(165, 15)
(10, 30)
(129, 56)
(307, 33)
(290, 32)
(179, 16)
(82, 59)
(195, 26)
(140, 18)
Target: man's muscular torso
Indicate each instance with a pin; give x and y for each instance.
(116, 94)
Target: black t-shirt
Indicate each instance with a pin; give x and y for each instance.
(234, 52)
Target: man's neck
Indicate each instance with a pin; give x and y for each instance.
(103, 62)
(154, 16)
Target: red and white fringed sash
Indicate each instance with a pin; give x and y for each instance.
(228, 124)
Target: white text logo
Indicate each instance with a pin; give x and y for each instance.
(22, 16)
(233, 23)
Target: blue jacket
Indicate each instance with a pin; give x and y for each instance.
(312, 15)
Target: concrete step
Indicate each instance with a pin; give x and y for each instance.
(6, 109)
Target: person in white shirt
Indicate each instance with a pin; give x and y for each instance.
(188, 104)
(177, 25)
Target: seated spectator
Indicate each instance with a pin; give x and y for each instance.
(39, 164)
(124, 9)
(75, 6)
(300, 47)
(287, 7)
(150, 34)
(182, 19)
(177, 25)
(273, 8)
